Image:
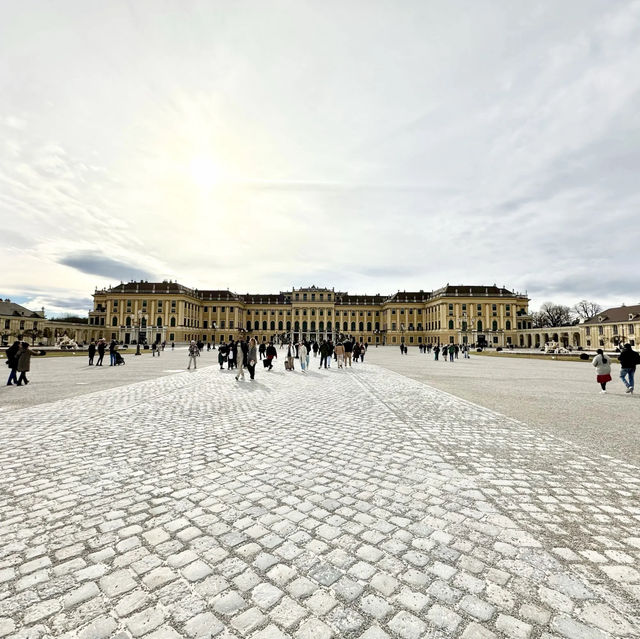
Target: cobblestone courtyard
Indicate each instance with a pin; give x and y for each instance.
(359, 504)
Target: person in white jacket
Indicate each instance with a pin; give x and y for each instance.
(603, 369)
(302, 354)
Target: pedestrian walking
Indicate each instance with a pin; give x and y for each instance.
(102, 347)
(328, 358)
(363, 350)
(340, 354)
(291, 354)
(356, 352)
(302, 354)
(91, 351)
(13, 355)
(154, 349)
(231, 356)
(348, 351)
(271, 352)
(603, 369)
(112, 352)
(315, 349)
(24, 362)
(262, 350)
(629, 359)
(193, 353)
(252, 358)
(452, 350)
(436, 352)
(242, 350)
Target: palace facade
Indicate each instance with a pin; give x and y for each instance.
(150, 311)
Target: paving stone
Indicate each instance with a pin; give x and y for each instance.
(145, 621)
(270, 632)
(248, 620)
(407, 626)
(203, 626)
(513, 627)
(313, 629)
(476, 631)
(117, 583)
(476, 607)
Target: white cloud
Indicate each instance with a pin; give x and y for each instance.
(257, 145)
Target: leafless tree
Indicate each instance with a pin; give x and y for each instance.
(551, 314)
(585, 310)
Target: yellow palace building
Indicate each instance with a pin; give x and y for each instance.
(159, 311)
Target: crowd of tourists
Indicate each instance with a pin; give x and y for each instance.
(245, 354)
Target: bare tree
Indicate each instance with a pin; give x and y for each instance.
(585, 310)
(551, 314)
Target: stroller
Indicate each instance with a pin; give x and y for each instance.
(119, 359)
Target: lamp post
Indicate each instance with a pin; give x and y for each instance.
(140, 316)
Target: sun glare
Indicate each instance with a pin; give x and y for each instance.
(204, 172)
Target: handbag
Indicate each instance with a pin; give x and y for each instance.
(266, 363)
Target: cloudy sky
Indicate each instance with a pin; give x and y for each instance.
(370, 145)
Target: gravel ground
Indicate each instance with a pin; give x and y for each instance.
(561, 398)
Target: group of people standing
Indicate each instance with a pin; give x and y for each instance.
(449, 352)
(19, 361)
(628, 359)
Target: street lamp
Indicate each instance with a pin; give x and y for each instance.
(141, 314)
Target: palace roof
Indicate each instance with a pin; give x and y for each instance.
(617, 314)
(464, 290)
(7, 307)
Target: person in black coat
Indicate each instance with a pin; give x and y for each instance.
(102, 347)
(92, 352)
(13, 353)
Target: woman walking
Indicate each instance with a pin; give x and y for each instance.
(24, 362)
(603, 369)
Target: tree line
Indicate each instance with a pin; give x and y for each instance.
(551, 314)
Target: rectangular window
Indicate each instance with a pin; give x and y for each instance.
(222, 324)
(115, 303)
(630, 329)
(205, 324)
(615, 329)
(588, 330)
(230, 323)
(600, 330)
(206, 308)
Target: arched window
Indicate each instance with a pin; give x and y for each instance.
(450, 325)
(494, 326)
(264, 325)
(144, 322)
(272, 325)
(159, 322)
(173, 321)
(345, 326)
(377, 326)
(256, 325)
(304, 326)
(288, 325)
(114, 321)
(328, 326)
(297, 326)
(479, 325)
(508, 325)
(280, 325)
(321, 326)
(353, 327)
(361, 326)
(128, 322)
(313, 325)
(369, 326)
(464, 326)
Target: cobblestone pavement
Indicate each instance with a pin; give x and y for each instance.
(356, 504)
